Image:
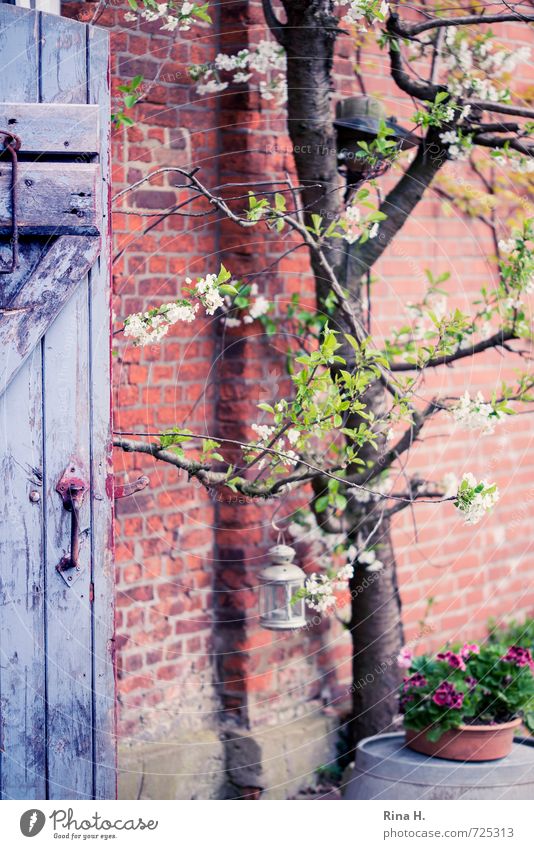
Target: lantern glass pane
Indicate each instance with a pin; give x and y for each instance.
(297, 608)
(276, 607)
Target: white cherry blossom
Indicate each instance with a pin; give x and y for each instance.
(475, 499)
(476, 414)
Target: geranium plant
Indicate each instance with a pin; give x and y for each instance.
(475, 685)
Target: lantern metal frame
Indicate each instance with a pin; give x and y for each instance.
(279, 582)
(359, 119)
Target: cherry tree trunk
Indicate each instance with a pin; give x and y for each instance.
(377, 637)
(375, 621)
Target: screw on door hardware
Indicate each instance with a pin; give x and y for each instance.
(12, 145)
(72, 488)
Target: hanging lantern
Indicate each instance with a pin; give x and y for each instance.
(280, 582)
(359, 119)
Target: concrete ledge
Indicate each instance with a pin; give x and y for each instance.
(273, 762)
(189, 766)
(279, 761)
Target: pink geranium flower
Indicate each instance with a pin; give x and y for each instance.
(452, 659)
(415, 680)
(446, 695)
(405, 657)
(519, 656)
(469, 648)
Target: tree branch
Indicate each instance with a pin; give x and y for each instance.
(406, 30)
(495, 341)
(415, 88)
(401, 201)
(275, 26)
(211, 479)
(494, 141)
(404, 444)
(503, 108)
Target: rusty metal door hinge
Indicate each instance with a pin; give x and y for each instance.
(12, 144)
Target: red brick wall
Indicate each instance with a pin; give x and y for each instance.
(187, 564)
(164, 535)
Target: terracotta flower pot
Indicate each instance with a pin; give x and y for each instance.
(466, 743)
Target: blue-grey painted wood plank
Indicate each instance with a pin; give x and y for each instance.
(29, 255)
(68, 620)
(19, 36)
(103, 567)
(63, 60)
(22, 668)
(53, 127)
(41, 299)
(66, 412)
(22, 684)
(54, 198)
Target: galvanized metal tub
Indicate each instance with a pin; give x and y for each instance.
(386, 769)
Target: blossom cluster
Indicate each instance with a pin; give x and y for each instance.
(257, 307)
(517, 267)
(207, 289)
(266, 433)
(476, 414)
(352, 225)
(213, 292)
(146, 328)
(175, 16)
(370, 561)
(150, 327)
(360, 12)
(320, 589)
(267, 61)
(475, 65)
(420, 315)
(320, 594)
(475, 499)
(459, 145)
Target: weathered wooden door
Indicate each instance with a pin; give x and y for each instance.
(57, 698)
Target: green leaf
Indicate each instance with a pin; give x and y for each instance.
(322, 503)
(201, 12)
(227, 289)
(232, 483)
(434, 733)
(223, 275)
(354, 342)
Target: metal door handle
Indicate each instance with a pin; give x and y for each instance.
(71, 561)
(72, 488)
